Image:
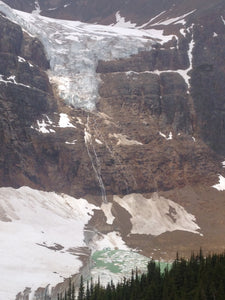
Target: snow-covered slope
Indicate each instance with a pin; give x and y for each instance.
(156, 215)
(74, 49)
(39, 235)
(40, 232)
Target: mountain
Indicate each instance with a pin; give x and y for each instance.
(121, 104)
(104, 12)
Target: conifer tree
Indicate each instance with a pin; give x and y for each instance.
(73, 292)
(88, 294)
(81, 289)
(198, 278)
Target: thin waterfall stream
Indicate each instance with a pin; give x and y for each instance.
(96, 164)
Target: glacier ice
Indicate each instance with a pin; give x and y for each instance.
(74, 49)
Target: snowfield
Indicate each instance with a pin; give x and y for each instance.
(39, 234)
(221, 185)
(156, 215)
(42, 234)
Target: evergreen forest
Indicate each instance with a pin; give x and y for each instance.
(199, 278)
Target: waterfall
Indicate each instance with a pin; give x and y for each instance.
(96, 164)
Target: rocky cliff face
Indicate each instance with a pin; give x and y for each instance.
(158, 125)
(105, 11)
(25, 94)
(207, 80)
(152, 130)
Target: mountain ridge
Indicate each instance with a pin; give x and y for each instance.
(154, 130)
(102, 11)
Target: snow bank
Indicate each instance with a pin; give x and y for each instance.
(106, 208)
(12, 80)
(221, 185)
(111, 240)
(222, 18)
(46, 125)
(39, 234)
(156, 215)
(64, 121)
(121, 22)
(177, 20)
(153, 19)
(170, 137)
(43, 127)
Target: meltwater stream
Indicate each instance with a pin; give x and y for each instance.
(96, 165)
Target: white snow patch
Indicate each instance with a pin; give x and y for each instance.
(30, 222)
(191, 46)
(48, 119)
(221, 185)
(156, 215)
(124, 140)
(11, 79)
(158, 34)
(170, 136)
(106, 208)
(71, 143)
(44, 124)
(222, 18)
(21, 59)
(64, 121)
(223, 164)
(98, 141)
(184, 74)
(37, 10)
(194, 139)
(151, 20)
(183, 31)
(53, 8)
(121, 22)
(177, 20)
(110, 240)
(215, 34)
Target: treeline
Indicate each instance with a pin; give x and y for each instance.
(198, 278)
